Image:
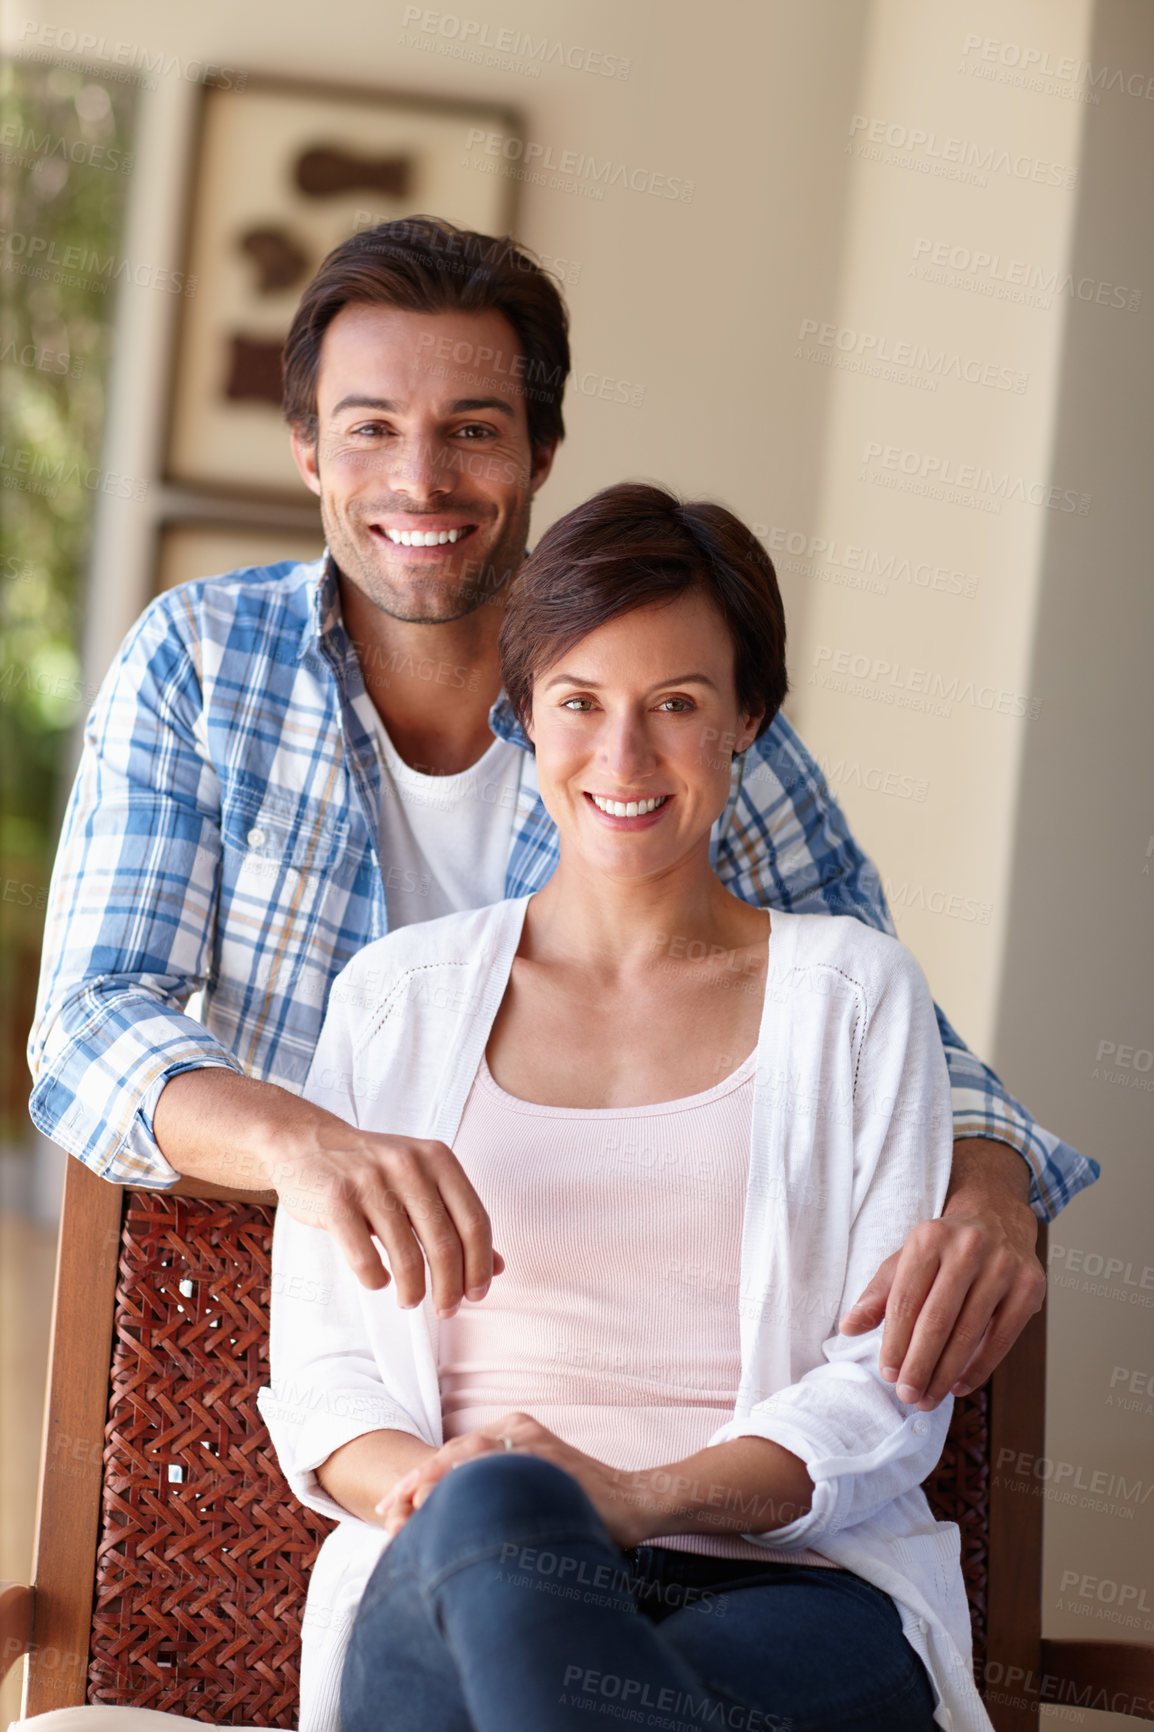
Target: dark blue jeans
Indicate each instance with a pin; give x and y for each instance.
(504, 1606)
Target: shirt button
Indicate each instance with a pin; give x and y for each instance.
(920, 1427)
(256, 837)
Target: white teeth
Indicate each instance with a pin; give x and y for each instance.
(423, 537)
(628, 808)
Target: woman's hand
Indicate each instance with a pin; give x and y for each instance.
(607, 1488)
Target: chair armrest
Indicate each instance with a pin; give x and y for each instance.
(1116, 1677)
(185, 1187)
(15, 1624)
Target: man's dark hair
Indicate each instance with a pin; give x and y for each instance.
(422, 264)
(634, 546)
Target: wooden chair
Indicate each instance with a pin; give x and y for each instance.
(172, 1560)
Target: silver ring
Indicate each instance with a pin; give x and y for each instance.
(507, 1441)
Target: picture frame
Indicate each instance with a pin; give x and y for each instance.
(188, 548)
(283, 171)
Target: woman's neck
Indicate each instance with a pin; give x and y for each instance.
(612, 926)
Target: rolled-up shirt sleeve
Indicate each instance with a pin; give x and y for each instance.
(788, 845)
(861, 1445)
(131, 910)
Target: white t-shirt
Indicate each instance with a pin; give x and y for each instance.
(444, 840)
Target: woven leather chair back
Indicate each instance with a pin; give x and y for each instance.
(204, 1554)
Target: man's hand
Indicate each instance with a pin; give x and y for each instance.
(412, 1195)
(960, 1291)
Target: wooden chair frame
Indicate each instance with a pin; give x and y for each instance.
(51, 1621)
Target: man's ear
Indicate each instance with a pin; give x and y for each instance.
(542, 463)
(304, 452)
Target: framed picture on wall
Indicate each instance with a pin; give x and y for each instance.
(203, 548)
(282, 173)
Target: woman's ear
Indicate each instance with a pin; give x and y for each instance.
(747, 732)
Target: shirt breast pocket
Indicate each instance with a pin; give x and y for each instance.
(288, 862)
(280, 832)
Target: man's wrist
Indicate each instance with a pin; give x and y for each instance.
(987, 1166)
(990, 1186)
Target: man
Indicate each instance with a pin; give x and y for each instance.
(285, 762)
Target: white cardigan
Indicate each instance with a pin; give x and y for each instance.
(851, 1147)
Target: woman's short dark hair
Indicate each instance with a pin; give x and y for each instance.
(422, 264)
(634, 546)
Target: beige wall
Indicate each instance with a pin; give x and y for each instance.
(1012, 830)
(1078, 959)
(972, 636)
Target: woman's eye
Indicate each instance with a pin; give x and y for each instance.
(578, 705)
(681, 703)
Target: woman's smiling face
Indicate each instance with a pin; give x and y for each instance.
(634, 729)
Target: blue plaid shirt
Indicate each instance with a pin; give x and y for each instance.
(222, 837)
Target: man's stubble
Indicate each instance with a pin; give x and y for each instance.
(482, 580)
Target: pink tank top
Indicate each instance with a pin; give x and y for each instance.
(600, 1326)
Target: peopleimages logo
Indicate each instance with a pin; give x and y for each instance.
(969, 478)
(1068, 69)
(857, 566)
(533, 157)
(932, 152)
(475, 34)
(132, 57)
(917, 898)
(1015, 280)
(37, 256)
(43, 360)
(902, 354)
(927, 689)
(22, 145)
(30, 471)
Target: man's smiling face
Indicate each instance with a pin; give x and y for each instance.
(423, 466)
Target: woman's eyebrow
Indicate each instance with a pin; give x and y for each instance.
(567, 679)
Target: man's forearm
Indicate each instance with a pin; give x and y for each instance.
(233, 1130)
(990, 1173)
(396, 1206)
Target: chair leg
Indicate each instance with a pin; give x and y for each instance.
(1017, 1440)
(71, 1475)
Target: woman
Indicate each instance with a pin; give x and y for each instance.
(644, 1476)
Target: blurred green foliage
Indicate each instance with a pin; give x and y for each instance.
(65, 174)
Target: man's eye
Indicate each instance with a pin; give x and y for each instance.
(368, 427)
(478, 430)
